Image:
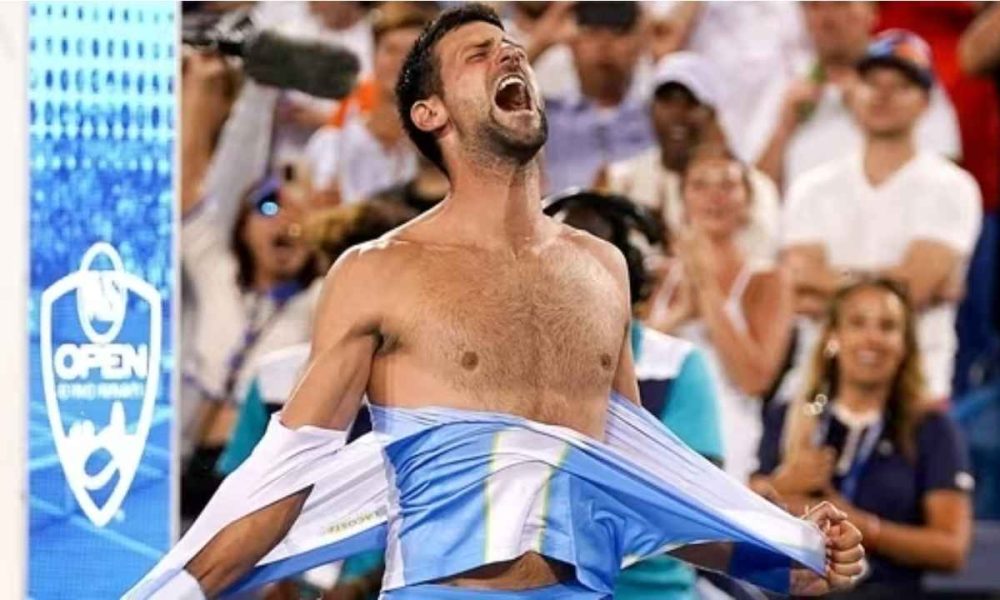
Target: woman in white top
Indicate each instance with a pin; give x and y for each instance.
(736, 309)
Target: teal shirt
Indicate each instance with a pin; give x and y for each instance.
(250, 427)
(691, 412)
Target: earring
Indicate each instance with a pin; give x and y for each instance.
(831, 349)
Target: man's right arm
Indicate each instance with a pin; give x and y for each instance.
(206, 98)
(979, 46)
(814, 280)
(328, 395)
(798, 101)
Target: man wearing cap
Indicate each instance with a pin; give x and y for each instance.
(686, 111)
(890, 209)
(807, 122)
(604, 120)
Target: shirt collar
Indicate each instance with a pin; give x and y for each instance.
(637, 95)
(284, 291)
(853, 419)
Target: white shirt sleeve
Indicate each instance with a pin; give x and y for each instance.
(952, 215)
(800, 222)
(205, 254)
(239, 161)
(201, 232)
(322, 155)
(241, 158)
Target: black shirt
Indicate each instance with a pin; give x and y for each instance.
(890, 485)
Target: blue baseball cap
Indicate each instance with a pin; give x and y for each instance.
(903, 50)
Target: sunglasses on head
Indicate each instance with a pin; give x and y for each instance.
(265, 199)
(268, 205)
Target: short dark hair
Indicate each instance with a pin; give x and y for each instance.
(620, 17)
(420, 76)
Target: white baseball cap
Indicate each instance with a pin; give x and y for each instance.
(692, 71)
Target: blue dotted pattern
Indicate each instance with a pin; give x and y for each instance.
(101, 80)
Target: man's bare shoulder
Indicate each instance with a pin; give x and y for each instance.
(374, 257)
(603, 251)
(365, 273)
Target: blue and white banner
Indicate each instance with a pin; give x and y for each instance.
(101, 80)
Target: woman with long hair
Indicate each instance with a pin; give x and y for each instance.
(734, 307)
(864, 436)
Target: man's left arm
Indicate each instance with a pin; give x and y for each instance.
(843, 564)
(625, 382)
(947, 226)
(929, 271)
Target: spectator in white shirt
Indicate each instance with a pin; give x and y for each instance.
(890, 209)
(806, 121)
(735, 309)
(686, 111)
(369, 151)
(754, 45)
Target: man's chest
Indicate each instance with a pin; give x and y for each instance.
(534, 320)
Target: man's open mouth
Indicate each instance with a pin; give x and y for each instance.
(680, 133)
(512, 94)
(283, 242)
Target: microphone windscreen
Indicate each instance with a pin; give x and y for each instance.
(316, 68)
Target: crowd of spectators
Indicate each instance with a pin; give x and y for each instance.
(816, 195)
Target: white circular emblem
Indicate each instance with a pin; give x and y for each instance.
(102, 295)
(965, 481)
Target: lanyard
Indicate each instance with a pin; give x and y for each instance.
(254, 330)
(866, 448)
(251, 335)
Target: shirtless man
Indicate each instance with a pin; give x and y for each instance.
(482, 303)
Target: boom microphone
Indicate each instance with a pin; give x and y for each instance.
(274, 59)
(315, 68)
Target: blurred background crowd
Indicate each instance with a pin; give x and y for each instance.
(806, 194)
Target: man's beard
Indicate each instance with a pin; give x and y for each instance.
(519, 146)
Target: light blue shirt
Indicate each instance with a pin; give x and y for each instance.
(583, 138)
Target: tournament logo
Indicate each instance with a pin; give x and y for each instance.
(100, 338)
